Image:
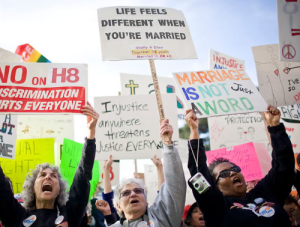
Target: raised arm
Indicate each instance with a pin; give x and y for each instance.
(212, 201)
(280, 178)
(160, 172)
(80, 189)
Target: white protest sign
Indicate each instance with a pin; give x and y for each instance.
(279, 82)
(232, 130)
(8, 56)
(31, 88)
(142, 85)
(8, 136)
(290, 112)
(219, 60)
(289, 29)
(129, 126)
(130, 33)
(219, 92)
(293, 131)
(114, 173)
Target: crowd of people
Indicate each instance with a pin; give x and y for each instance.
(225, 200)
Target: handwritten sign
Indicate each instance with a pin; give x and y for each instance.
(114, 173)
(8, 136)
(279, 82)
(129, 126)
(6, 55)
(290, 112)
(139, 33)
(293, 131)
(289, 30)
(219, 60)
(42, 88)
(242, 155)
(263, 157)
(29, 153)
(219, 92)
(29, 54)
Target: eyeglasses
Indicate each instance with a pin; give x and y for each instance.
(226, 172)
(128, 192)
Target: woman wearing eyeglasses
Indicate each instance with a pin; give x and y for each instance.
(226, 202)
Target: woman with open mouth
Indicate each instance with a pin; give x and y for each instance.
(44, 194)
(226, 202)
(192, 216)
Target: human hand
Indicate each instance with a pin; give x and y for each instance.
(92, 118)
(108, 163)
(103, 206)
(166, 129)
(191, 119)
(157, 162)
(272, 116)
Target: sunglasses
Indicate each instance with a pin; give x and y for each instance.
(226, 172)
(128, 192)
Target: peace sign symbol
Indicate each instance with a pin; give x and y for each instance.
(288, 52)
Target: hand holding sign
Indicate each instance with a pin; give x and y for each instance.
(192, 122)
(272, 116)
(166, 129)
(92, 118)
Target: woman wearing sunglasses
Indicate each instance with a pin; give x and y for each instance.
(226, 202)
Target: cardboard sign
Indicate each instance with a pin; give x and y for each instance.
(129, 126)
(219, 60)
(232, 130)
(243, 156)
(219, 92)
(138, 33)
(8, 136)
(42, 88)
(279, 82)
(114, 173)
(289, 30)
(290, 112)
(8, 56)
(143, 85)
(29, 153)
(293, 131)
(29, 54)
(263, 157)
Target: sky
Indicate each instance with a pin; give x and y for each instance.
(66, 31)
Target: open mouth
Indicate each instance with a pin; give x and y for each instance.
(237, 181)
(134, 201)
(201, 219)
(47, 187)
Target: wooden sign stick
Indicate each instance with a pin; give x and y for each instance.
(158, 96)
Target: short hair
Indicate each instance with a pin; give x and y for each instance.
(119, 187)
(28, 194)
(290, 199)
(216, 162)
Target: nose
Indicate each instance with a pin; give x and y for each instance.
(48, 176)
(232, 173)
(133, 194)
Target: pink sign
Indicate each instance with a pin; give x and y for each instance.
(242, 155)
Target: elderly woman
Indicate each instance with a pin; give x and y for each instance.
(226, 202)
(44, 194)
(131, 199)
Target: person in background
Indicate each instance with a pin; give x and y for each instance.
(227, 197)
(160, 171)
(192, 216)
(290, 205)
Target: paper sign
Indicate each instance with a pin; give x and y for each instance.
(232, 130)
(114, 173)
(243, 156)
(219, 60)
(290, 112)
(129, 33)
(289, 29)
(219, 92)
(129, 126)
(143, 85)
(293, 131)
(42, 88)
(8, 136)
(29, 54)
(6, 55)
(263, 157)
(279, 82)
(70, 159)
(29, 153)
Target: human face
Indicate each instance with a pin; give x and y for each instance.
(289, 208)
(133, 205)
(234, 185)
(46, 186)
(197, 218)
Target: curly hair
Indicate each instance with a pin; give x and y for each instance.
(216, 162)
(28, 194)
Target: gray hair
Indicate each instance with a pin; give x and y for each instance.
(28, 194)
(119, 187)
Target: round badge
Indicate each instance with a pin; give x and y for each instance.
(269, 204)
(238, 204)
(143, 224)
(267, 211)
(59, 219)
(258, 200)
(251, 206)
(28, 221)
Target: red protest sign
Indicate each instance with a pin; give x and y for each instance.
(42, 88)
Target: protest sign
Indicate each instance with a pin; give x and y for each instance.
(8, 136)
(42, 88)
(142, 85)
(114, 173)
(6, 55)
(290, 112)
(70, 159)
(130, 33)
(129, 126)
(232, 130)
(293, 131)
(219, 92)
(264, 157)
(279, 82)
(29, 153)
(242, 155)
(29, 54)
(219, 60)
(289, 30)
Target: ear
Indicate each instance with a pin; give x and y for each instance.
(119, 207)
